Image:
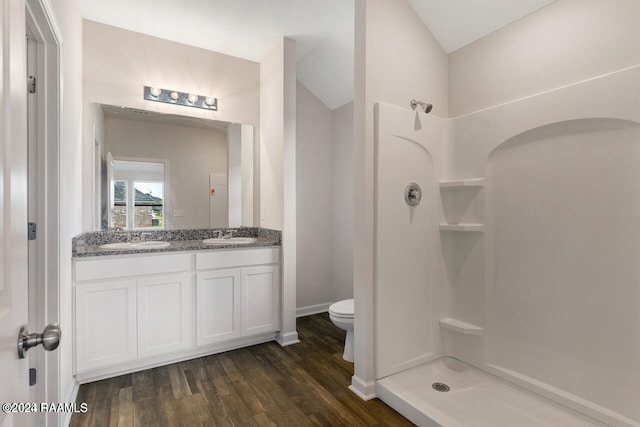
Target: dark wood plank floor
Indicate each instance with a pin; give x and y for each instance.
(265, 385)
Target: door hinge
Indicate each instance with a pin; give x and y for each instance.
(31, 231)
(32, 376)
(31, 84)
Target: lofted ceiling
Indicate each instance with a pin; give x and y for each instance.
(323, 30)
(456, 23)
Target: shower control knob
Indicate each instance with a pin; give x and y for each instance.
(412, 194)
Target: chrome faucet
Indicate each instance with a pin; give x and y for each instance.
(228, 234)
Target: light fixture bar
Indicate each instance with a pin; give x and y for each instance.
(180, 98)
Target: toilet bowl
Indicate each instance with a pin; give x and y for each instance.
(341, 314)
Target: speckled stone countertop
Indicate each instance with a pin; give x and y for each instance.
(88, 244)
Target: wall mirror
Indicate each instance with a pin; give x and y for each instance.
(159, 171)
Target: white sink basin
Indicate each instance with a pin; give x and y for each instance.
(152, 244)
(230, 241)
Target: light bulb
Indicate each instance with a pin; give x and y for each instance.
(209, 101)
(155, 91)
(174, 96)
(192, 98)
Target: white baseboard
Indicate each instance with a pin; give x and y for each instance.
(64, 418)
(313, 309)
(287, 339)
(364, 390)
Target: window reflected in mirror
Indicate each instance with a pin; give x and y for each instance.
(138, 195)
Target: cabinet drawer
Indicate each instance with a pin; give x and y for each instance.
(237, 258)
(97, 269)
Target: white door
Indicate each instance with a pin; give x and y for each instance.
(13, 209)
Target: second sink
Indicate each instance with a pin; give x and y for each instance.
(152, 244)
(230, 241)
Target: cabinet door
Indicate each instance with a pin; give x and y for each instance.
(218, 305)
(165, 314)
(105, 323)
(260, 299)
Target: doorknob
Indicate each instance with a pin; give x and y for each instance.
(49, 338)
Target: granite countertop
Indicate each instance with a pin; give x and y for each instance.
(88, 244)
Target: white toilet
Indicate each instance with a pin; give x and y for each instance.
(341, 314)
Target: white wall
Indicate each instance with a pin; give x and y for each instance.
(70, 25)
(397, 59)
(118, 63)
(564, 42)
(247, 157)
(272, 139)
(192, 153)
(278, 168)
(240, 174)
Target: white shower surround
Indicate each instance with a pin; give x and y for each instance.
(584, 344)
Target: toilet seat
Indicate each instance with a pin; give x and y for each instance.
(342, 309)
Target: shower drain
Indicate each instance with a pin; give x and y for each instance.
(440, 387)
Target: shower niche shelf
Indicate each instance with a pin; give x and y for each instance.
(461, 327)
(463, 205)
(463, 183)
(478, 228)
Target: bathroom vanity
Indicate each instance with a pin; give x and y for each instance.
(135, 310)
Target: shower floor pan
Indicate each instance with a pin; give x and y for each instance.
(475, 398)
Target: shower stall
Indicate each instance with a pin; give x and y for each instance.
(508, 292)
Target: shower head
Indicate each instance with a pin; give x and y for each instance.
(425, 107)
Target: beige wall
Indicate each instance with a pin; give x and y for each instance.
(314, 176)
(192, 154)
(118, 63)
(404, 60)
(565, 42)
(324, 158)
(342, 244)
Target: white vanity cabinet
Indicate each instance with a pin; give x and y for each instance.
(238, 294)
(142, 310)
(127, 308)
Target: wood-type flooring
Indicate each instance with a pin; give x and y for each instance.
(303, 384)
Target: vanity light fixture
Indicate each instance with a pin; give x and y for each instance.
(152, 93)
